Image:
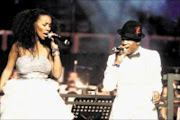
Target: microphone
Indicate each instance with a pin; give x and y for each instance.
(56, 37)
(117, 50)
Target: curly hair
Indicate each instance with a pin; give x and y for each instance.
(24, 30)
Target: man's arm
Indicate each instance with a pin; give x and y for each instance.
(156, 77)
(110, 74)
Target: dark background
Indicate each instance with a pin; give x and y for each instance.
(159, 17)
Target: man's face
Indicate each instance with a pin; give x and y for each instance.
(130, 46)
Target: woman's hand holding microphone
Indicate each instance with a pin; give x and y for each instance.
(54, 46)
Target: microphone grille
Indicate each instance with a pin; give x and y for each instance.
(66, 42)
(50, 35)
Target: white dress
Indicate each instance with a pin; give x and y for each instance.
(33, 95)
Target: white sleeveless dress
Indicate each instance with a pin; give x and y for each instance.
(32, 95)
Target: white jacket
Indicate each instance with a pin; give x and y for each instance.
(135, 79)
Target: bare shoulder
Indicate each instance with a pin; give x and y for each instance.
(14, 49)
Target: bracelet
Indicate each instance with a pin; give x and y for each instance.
(54, 50)
(57, 53)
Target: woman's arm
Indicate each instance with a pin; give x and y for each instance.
(56, 65)
(55, 60)
(10, 65)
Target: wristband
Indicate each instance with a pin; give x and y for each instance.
(54, 50)
(55, 53)
(116, 65)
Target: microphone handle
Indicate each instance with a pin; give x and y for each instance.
(63, 40)
(58, 38)
(117, 50)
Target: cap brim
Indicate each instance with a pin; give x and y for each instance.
(119, 31)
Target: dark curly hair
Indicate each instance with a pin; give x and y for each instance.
(23, 27)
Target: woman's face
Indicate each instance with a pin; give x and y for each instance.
(43, 26)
